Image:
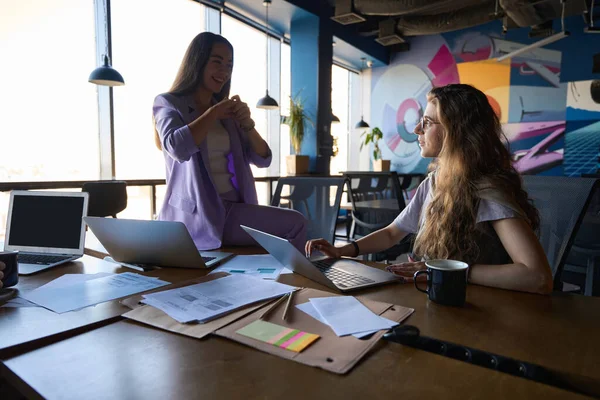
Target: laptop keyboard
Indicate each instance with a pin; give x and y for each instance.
(207, 259)
(41, 259)
(340, 278)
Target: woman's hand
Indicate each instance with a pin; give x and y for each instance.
(407, 270)
(223, 109)
(241, 113)
(323, 246)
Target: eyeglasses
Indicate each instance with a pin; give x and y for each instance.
(426, 123)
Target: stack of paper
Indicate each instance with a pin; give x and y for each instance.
(263, 266)
(208, 300)
(75, 291)
(346, 316)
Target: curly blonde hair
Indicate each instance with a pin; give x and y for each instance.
(472, 155)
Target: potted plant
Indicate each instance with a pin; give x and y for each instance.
(296, 164)
(374, 137)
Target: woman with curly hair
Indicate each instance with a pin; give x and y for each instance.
(471, 207)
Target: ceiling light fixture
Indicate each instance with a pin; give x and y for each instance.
(105, 75)
(361, 123)
(267, 102)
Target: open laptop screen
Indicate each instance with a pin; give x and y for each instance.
(46, 220)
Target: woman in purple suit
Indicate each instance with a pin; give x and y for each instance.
(208, 141)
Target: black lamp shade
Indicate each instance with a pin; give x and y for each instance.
(334, 119)
(267, 103)
(106, 75)
(362, 124)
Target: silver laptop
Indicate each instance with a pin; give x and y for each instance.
(46, 228)
(152, 243)
(341, 274)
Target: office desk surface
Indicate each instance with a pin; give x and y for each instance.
(129, 360)
(125, 360)
(27, 324)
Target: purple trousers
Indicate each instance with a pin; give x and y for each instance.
(287, 224)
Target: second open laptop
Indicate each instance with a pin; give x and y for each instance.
(152, 243)
(341, 274)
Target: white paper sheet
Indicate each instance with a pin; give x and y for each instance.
(263, 266)
(71, 279)
(83, 294)
(310, 310)
(205, 301)
(346, 315)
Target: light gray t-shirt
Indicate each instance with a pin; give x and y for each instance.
(491, 249)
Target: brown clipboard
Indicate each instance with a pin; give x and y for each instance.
(159, 319)
(329, 352)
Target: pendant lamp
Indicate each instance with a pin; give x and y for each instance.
(267, 102)
(361, 123)
(106, 75)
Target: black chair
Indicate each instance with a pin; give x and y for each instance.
(318, 199)
(562, 203)
(363, 189)
(106, 198)
(583, 262)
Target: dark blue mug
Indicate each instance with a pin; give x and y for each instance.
(446, 281)
(11, 270)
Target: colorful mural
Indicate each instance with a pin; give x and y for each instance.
(533, 104)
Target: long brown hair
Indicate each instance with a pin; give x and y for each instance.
(472, 155)
(191, 71)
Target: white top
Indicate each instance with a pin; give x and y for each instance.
(219, 148)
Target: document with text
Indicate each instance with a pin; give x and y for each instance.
(205, 301)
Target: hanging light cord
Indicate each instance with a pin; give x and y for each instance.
(105, 7)
(592, 14)
(362, 61)
(267, 50)
(562, 16)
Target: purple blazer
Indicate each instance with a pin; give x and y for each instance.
(191, 194)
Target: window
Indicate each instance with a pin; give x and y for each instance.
(340, 99)
(147, 51)
(49, 110)
(284, 104)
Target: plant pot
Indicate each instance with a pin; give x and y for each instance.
(297, 165)
(381, 165)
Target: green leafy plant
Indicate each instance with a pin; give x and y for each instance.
(296, 121)
(372, 137)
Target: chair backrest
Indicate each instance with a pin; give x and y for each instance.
(318, 199)
(106, 197)
(562, 203)
(366, 186)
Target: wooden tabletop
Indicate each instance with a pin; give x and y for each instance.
(129, 360)
(126, 360)
(29, 324)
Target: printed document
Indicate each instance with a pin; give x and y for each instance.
(205, 301)
(90, 292)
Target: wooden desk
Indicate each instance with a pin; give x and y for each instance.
(129, 360)
(23, 326)
(126, 360)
